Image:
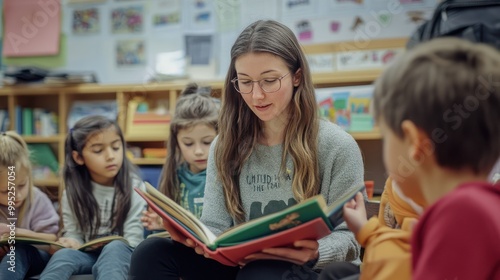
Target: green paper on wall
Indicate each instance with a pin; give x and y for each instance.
(52, 61)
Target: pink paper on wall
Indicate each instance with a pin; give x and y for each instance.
(31, 27)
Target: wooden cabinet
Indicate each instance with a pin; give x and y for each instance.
(59, 100)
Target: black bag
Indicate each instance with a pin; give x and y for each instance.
(26, 74)
(474, 20)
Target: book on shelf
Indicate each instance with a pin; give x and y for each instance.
(143, 120)
(309, 219)
(35, 121)
(69, 78)
(4, 120)
(93, 245)
(348, 107)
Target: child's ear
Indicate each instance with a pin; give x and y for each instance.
(420, 145)
(77, 158)
(297, 77)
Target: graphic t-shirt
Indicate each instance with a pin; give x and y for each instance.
(265, 189)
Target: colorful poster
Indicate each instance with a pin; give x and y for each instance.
(200, 15)
(86, 21)
(166, 19)
(166, 15)
(127, 20)
(348, 107)
(304, 30)
(130, 52)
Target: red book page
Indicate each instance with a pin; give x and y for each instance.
(312, 230)
(232, 255)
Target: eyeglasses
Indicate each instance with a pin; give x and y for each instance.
(268, 85)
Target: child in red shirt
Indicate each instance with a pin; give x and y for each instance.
(438, 109)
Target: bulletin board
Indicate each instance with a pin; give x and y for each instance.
(122, 40)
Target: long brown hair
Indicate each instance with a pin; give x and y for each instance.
(195, 106)
(14, 152)
(77, 181)
(240, 127)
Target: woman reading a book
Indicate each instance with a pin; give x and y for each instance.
(272, 151)
(98, 201)
(24, 209)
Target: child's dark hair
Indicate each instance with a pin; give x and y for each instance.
(77, 180)
(450, 88)
(195, 106)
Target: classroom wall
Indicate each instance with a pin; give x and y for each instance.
(143, 29)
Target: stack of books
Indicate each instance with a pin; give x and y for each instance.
(35, 121)
(67, 78)
(148, 123)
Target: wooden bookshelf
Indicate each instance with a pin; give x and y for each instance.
(369, 135)
(52, 183)
(43, 139)
(345, 78)
(140, 138)
(60, 99)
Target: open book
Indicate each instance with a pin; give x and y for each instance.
(162, 234)
(309, 219)
(92, 245)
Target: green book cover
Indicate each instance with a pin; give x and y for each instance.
(27, 121)
(298, 214)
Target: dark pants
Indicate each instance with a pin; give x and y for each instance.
(28, 261)
(340, 270)
(162, 258)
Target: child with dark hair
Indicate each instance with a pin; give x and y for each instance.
(98, 200)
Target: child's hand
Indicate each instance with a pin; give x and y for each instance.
(151, 221)
(355, 213)
(301, 252)
(69, 242)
